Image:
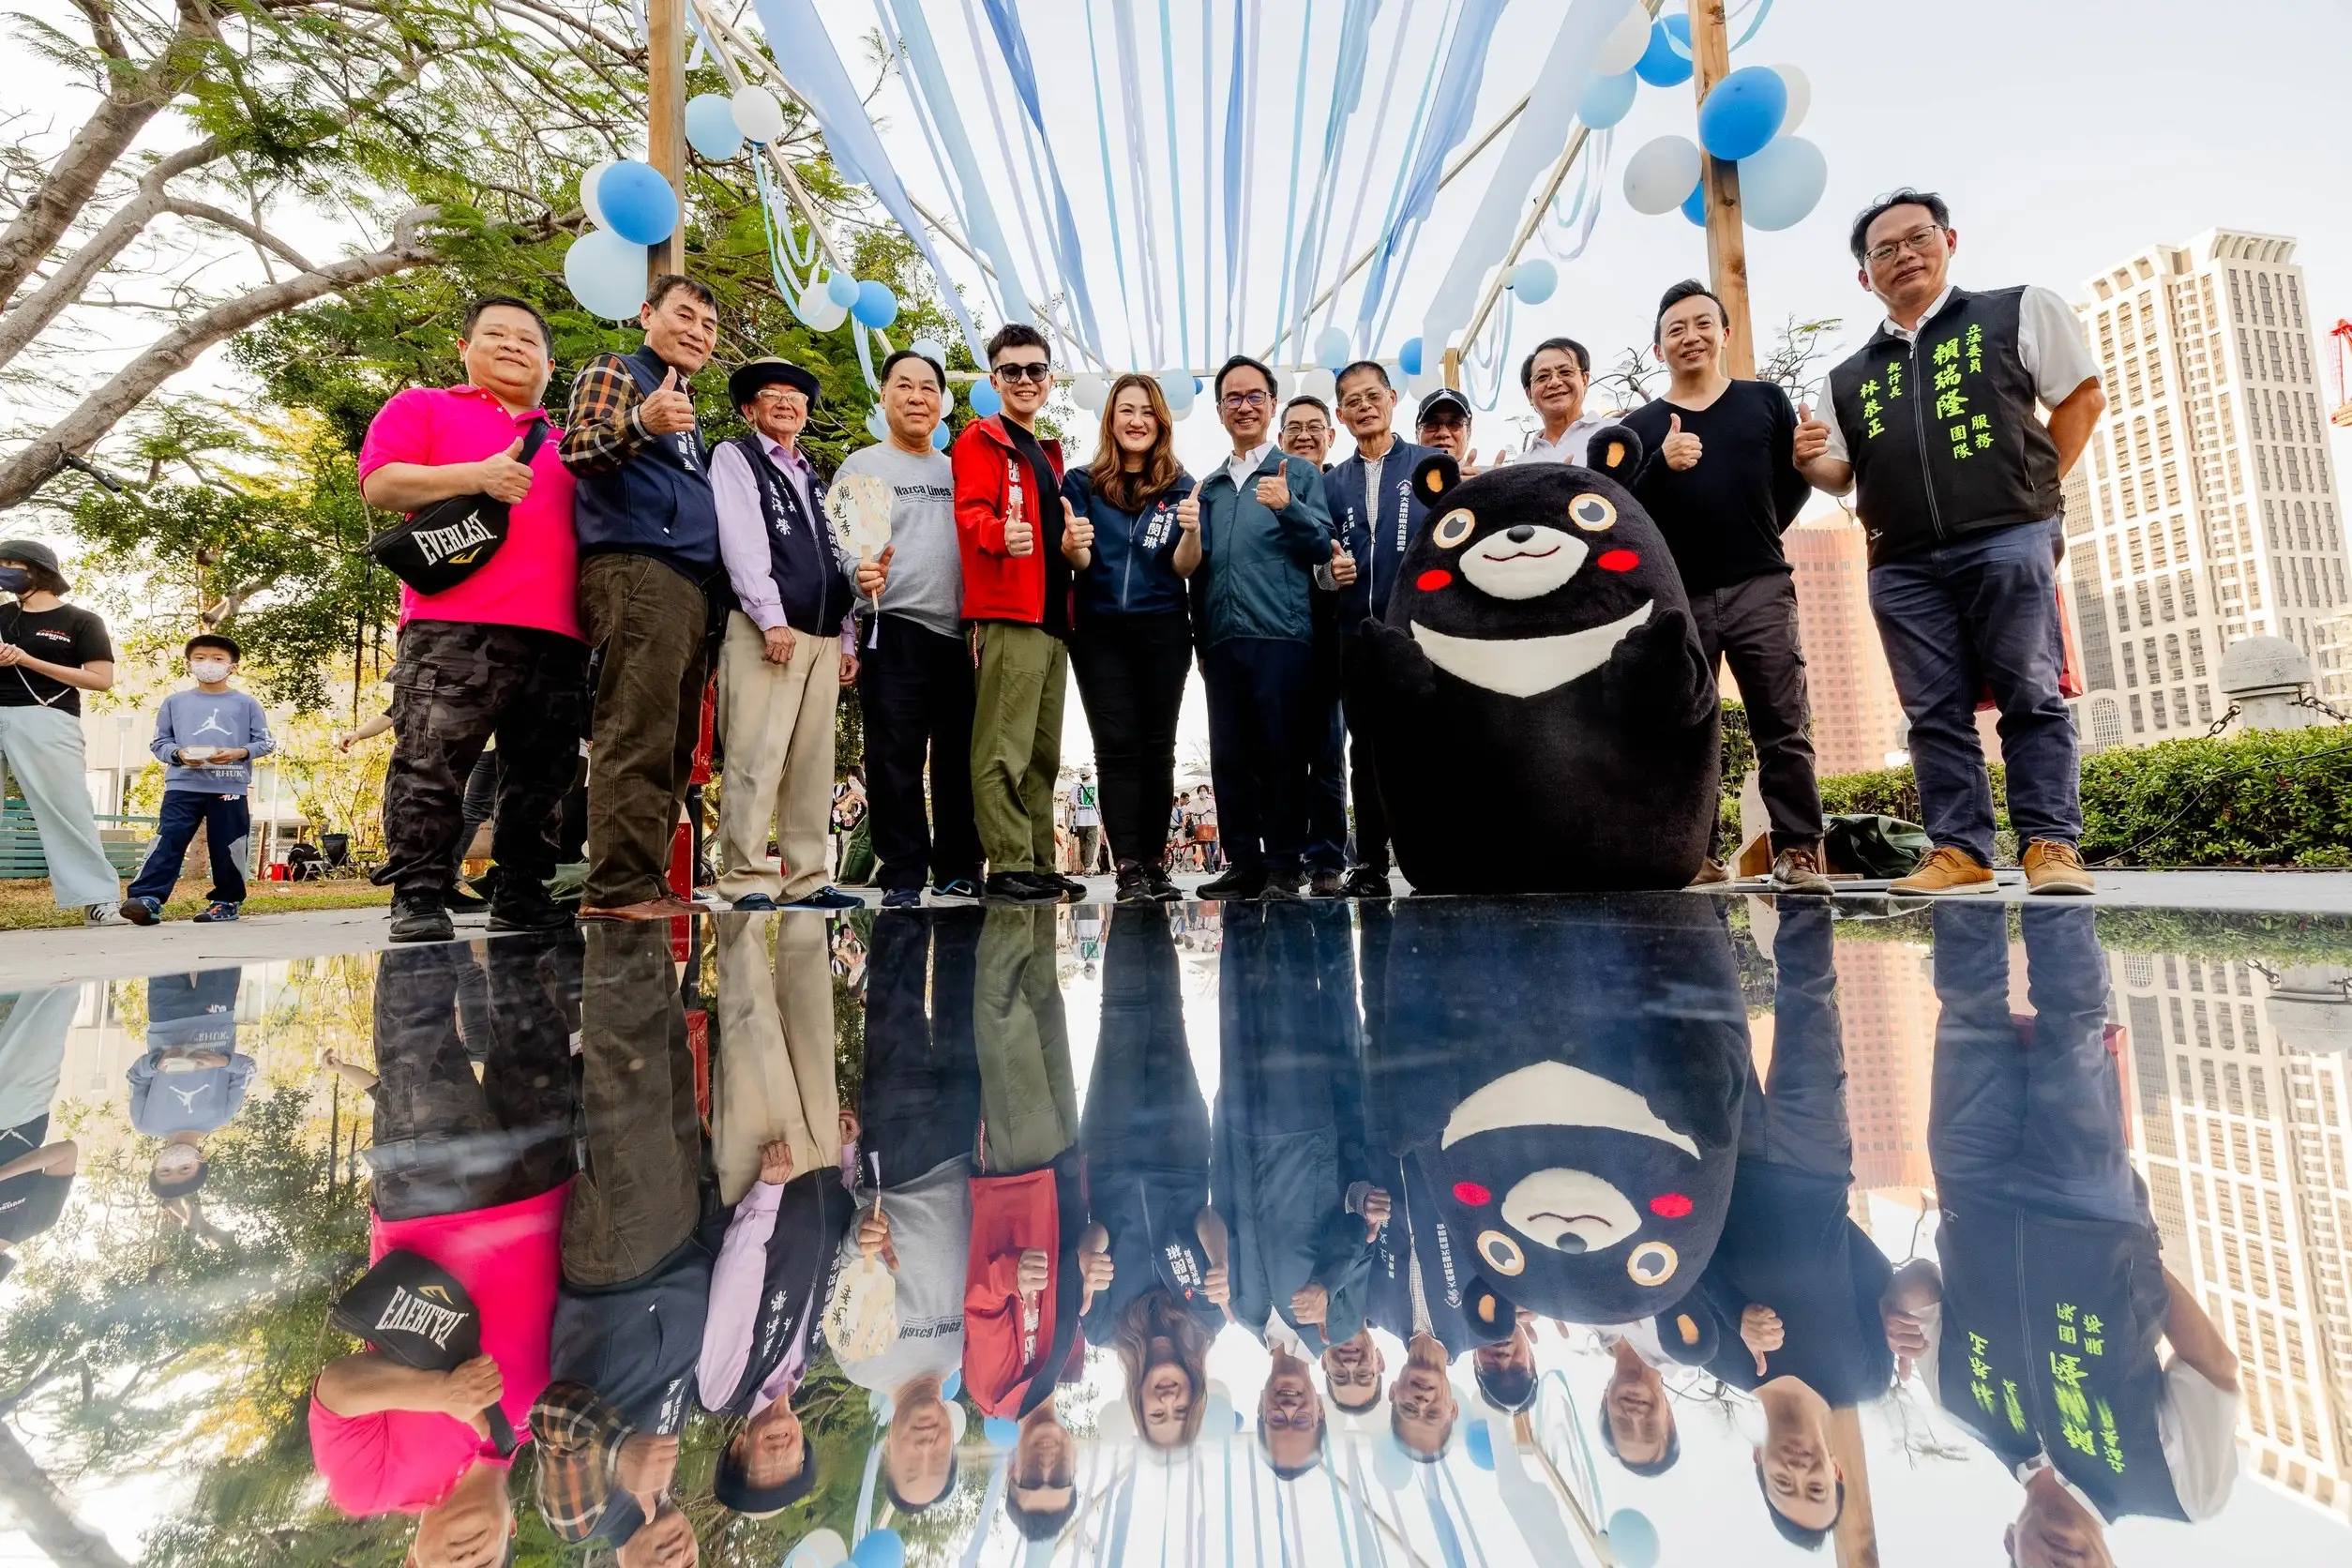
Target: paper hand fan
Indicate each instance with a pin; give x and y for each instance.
(858, 509)
(861, 1319)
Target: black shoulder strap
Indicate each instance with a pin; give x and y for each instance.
(533, 439)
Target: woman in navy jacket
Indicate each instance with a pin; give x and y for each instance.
(1133, 634)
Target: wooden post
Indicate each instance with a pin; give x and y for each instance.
(665, 120)
(1452, 369)
(1727, 237)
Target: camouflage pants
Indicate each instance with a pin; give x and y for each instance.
(455, 686)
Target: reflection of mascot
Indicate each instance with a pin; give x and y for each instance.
(1570, 1074)
(1548, 722)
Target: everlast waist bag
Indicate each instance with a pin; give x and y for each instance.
(440, 547)
(413, 1311)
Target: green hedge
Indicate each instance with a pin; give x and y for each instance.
(2274, 798)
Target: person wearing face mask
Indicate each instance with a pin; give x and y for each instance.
(498, 655)
(1133, 641)
(207, 738)
(192, 1078)
(50, 652)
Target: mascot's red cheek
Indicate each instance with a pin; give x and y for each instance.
(1617, 561)
(1468, 1192)
(1430, 581)
(1671, 1205)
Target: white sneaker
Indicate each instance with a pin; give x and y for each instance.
(107, 913)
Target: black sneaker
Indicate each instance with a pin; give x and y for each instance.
(1281, 886)
(828, 897)
(1364, 883)
(1072, 889)
(528, 908)
(956, 888)
(463, 900)
(1233, 884)
(1134, 885)
(1326, 884)
(417, 917)
(1019, 887)
(1164, 889)
(903, 899)
(756, 903)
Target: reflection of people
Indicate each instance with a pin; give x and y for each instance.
(1789, 1307)
(773, 1076)
(35, 1177)
(1421, 1408)
(637, 1277)
(1290, 1415)
(192, 1078)
(1636, 1417)
(2039, 1334)
(1041, 1487)
(920, 1107)
(1504, 1369)
(473, 1175)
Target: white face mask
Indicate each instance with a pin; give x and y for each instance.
(210, 670)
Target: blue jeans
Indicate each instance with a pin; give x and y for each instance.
(228, 828)
(1982, 611)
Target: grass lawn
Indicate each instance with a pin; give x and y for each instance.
(25, 904)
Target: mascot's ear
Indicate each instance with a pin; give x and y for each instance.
(1491, 1318)
(1436, 475)
(1616, 451)
(1689, 1337)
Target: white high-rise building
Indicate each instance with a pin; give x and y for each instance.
(2206, 507)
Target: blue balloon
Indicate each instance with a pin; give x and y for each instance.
(606, 274)
(876, 306)
(985, 400)
(1331, 348)
(878, 427)
(1002, 1431)
(1608, 99)
(939, 436)
(1694, 204)
(1666, 63)
(952, 1384)
(841, 289)
(1534, 281)
(1781, 184)
(1743, 113)
(638, 203)
(1633, 1539)
(1479, 1444)
(1409, 356)
(710, 126)
(882, 1549)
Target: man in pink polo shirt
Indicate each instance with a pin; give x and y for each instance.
(499, 654)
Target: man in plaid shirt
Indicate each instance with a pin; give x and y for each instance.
(648, 554)
(589, 1458)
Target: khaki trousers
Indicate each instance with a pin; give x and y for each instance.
(1016, 742)
(776, 721)
(773, 1075)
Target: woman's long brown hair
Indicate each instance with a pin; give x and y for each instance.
(1126, 490)
(1157, 1314)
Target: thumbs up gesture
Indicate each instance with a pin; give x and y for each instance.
(1188, 512)
(1813, 435)
(1078, 538)
(1680, 448)
(1273, 490)
(1343, 565)
(505, 477)
(667, 410)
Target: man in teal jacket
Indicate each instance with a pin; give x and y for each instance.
(1254, 531)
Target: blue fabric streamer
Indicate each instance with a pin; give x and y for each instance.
(1355, 46)
(1175, 178)
(1208, 168)
(1363, 177)
(1139, 169)
(1449, 1543)
(1290, 201)
(951, 153)
(1013, 44)
(1235, 138)
(784, 276)
(1111, 189)
(1762, 8)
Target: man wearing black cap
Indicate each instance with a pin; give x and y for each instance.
(1443, 421)
(790, 648)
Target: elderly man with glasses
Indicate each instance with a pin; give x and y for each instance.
(1932, 424)
(1256, 531)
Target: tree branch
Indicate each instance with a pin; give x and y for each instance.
(207, 212)
(29, 467)
(47, 1516)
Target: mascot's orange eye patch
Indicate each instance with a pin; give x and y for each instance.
(1617, 561)
(1433, 580)
(1472, 1193)
(1671, 1205)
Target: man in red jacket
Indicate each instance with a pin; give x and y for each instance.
(1018, 552)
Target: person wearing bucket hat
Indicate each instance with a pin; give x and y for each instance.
(790, 644)
(50, 652)
(767, 1466)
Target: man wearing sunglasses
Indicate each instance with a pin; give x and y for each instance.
(1932, 424)
(1018, 552)
(1257, 530)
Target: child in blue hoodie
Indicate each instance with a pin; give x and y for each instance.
(207, 739)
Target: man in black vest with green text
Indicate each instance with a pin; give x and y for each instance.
(1932, 424)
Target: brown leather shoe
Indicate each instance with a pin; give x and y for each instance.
(2057, 869)
(1946, 870)
(1710, 874)
(1798, 869)
(645, 908)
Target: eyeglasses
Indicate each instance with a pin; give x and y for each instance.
(1040, 372)
(1301, 1419)
(1245, 399)
(1553, 377)
(1363, 402)
(779, 394)
(1920, 241)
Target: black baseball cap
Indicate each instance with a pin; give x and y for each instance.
(1444, 397)
(34, 554)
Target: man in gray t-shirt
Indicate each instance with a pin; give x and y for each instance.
(914, 679)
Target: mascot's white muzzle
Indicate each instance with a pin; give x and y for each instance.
(1569, 1211)
(1522, 563)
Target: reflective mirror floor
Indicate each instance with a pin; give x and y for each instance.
(1442, 1234)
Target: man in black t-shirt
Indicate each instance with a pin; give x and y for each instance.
(33, 1188)
(50, 652)
(1721, 480)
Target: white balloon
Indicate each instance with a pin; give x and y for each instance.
(947, 401)
(1782, 184)
(931, 348)
(1114, 1423)
(1176, 386)
(1662, 174)
(957, 1419)
(757, 115)
(588, 202)
(819, 1548)
(1090, 392)
(1428, 381)
(1318, 384)
(1800, 98)
(606, 274)
(817, 309)
(1624, 46)
(1331, 348)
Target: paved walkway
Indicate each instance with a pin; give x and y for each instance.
(47, 957)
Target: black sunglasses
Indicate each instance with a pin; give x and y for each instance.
(1042, 371)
